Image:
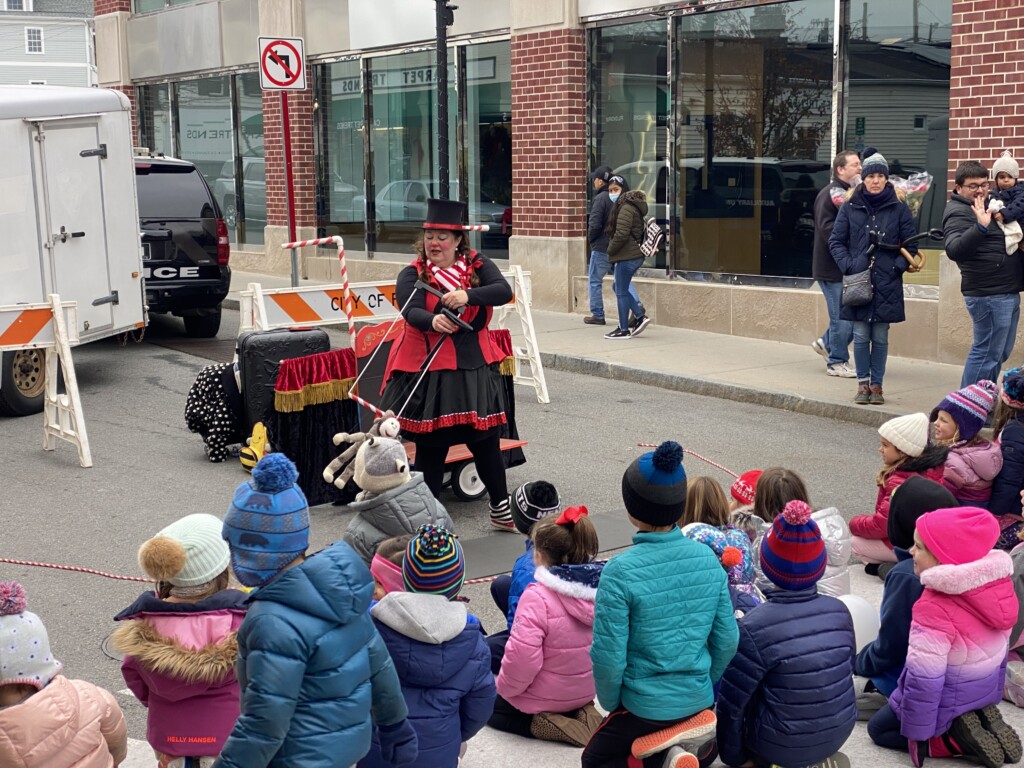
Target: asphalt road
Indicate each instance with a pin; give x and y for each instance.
(149, 470)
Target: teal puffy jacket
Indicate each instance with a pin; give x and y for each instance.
(664, 629)
(310, 665)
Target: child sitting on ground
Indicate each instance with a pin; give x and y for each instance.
(705, 503)
(179, 643)
(1008, 428)
(741, 503)
(787, 697)
(530, 503)
(732, 548)
(945, 703)
(386, 566)
(310, 662)
(546, 683)
(654, 670)
(438, 649)
(47, 720)
(1006, 201)
(973, 462)
(905, 452)
(882, 659)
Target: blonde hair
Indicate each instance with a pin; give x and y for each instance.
(165, 589)
(705, 503)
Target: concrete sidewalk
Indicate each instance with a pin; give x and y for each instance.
(771, 373)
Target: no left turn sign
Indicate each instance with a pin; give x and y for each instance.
(282, 64)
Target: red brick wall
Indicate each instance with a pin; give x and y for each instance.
(986, 113)
(300, 114)
(549, 134)
(111, 6)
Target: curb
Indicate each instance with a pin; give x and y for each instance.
(786, 401)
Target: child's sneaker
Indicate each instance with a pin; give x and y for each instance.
(692, 733)
(501, 516)
(678, 757)
(992, 721)
(974, 741)
(549, 726)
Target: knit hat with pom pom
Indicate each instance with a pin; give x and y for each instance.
(531, 502)
(25, 657)
(187, 553)
(654, 486)
(969, 407)
(434, 563)
(792, 552)
(1006, 164)
(267, 525)
(732, 548)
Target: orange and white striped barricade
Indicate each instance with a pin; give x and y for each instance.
(325, 305)
(45, 326)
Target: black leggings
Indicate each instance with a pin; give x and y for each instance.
(432, 450)
(509, 719)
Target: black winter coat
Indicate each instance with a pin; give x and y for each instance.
(599, 211)
(1008, 483)
(787, 696)
(849, 243)
(823, 266)
(985, 269)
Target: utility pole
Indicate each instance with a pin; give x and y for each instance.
(445, 18)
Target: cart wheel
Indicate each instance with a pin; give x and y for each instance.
(466, 483)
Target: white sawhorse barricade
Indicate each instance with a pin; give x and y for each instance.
(45, 326)
(324, 305)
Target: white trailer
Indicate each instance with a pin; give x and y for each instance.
(69, 220)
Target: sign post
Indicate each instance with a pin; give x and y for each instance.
(283, 68)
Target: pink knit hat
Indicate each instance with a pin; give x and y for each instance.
(958, 535)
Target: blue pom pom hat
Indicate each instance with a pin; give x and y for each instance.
(654, 486)
(267, 524)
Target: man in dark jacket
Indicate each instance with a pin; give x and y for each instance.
(834, 344)
(990, 280)
(599, 265)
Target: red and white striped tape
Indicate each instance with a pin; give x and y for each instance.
(477, 227)
(317, 241)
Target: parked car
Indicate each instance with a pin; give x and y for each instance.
(185, 243)
(254, 189)
(401, 201)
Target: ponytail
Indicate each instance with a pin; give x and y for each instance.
(566, 539)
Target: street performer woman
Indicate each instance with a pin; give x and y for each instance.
(460, 398)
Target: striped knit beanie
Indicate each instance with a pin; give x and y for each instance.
(969, 407)
(654, 486)
(434, 563)
(873, 162)
(792, 552)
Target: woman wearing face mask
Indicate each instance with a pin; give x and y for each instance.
(873, 207)
(461, 397)
(625, 231)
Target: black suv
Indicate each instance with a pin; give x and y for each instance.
(185, 247)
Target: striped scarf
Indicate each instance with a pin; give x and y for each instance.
(453, 278)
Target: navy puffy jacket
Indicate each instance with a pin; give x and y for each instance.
(1007, 486)
(788, 695)
(849, 243)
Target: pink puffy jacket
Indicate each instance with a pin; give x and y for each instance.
(970, 470)
(68, 724)
(547, 667)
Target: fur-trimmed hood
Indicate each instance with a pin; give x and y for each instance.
(574, 586)
(933, 456)
(982, 587)
(213, 663)
(636, 198)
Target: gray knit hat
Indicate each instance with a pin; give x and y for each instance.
(873, 162)
(187, 553)
(380, 465)
(1006, 164)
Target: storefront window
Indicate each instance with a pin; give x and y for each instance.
(898, 95)
(341, 134)
(489, 145)
(205, 134)
(753, 140)
(251, 213)
(155, 118)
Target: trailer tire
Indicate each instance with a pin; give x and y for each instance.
(203, 326)
(22, 382)
(466, 482)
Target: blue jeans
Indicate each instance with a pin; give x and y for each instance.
(870, 350)
(599, 267)
(627, 300)
(995, 330)
(839, 334)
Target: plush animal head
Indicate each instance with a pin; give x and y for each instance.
(381, 464)
(386, 425)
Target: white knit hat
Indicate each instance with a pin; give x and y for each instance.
(187, 553)
(25, 657)
(908, 433)
(1006, 164)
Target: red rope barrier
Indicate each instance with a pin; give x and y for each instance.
(75, 568)
(695, 454)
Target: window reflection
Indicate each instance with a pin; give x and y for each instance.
(155, 118)
(339, 115)
(253, 186)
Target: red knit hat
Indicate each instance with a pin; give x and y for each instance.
(743, 489)
(958, 535)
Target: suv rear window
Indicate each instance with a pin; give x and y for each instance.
(171, 192)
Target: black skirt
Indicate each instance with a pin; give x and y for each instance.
(473, 399)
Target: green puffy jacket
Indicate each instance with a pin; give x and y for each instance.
(664, 629)
(624, 244)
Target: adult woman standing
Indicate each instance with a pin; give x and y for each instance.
(625, 230)
(873, 207)
(461, 397)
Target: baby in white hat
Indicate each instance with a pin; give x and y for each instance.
(1006, 201)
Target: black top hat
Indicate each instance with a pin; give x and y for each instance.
(445, 214)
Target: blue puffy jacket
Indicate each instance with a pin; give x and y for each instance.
(849, 241)
(883, 659)
(522, 576)
(310, 666)
(1008, 483)
(788, 695)
(445, 669)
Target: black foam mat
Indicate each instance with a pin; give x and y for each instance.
(496, 552)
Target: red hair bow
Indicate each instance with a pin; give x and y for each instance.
(572, 515)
